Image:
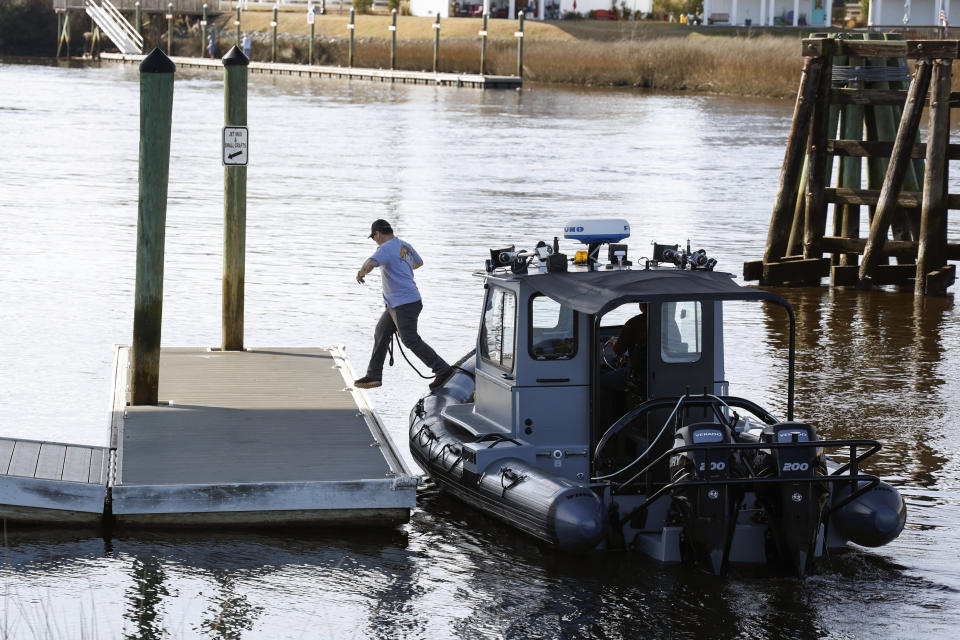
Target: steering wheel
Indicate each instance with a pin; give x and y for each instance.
(610, 357)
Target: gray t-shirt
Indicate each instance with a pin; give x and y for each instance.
(396, 259)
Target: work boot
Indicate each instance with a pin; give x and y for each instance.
(440, 378)
(366, 382)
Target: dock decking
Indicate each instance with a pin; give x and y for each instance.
(259, 437)
(316, 71)
(48, 482)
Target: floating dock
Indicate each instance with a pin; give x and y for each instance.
(260, 437)
(313, 71)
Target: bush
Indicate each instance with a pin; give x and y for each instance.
(363, 6)
(677, 7)
(29, 27)
(393, 4)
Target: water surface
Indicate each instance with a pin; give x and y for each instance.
(457, 171)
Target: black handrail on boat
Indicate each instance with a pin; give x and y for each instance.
(854, 477)
(688, 401)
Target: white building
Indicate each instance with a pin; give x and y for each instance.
(535, 9)
(916, 13)
(787, 13)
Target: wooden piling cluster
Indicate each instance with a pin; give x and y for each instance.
(854, 102)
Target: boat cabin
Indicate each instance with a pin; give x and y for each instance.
(547, 372)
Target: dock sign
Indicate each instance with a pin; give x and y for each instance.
(235, 149)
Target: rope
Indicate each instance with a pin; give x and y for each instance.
(404, 354)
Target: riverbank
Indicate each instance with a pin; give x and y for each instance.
(643, 54)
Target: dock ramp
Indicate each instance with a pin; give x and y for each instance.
(261, 437)
(112, 23)
(52, 483)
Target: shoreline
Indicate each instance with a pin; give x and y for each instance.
(576, 53)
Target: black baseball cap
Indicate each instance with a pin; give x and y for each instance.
(380, 225)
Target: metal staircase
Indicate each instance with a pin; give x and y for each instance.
(112, 23)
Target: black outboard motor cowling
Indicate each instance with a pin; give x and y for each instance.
(708, 510)
(796, 509)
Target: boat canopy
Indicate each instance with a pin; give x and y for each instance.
(596, 292)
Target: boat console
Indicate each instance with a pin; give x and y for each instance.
(595, 413)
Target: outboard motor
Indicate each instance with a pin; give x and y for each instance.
(708, 511)
(795, 509)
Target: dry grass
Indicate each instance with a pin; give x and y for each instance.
(764, 66)
(632, 55)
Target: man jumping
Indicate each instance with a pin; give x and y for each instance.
(397, 260)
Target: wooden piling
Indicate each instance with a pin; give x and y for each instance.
(483, 46)
(872, 128)
(273, 25)
(893, 180)
(311, 18)
(393, 39)
(847, 216)
(795, 244)
(932, 247)
(138, 19)
(203, 27)
(777, 236)
(819, 175)
(156, 110)
(519, 35)
(64, 38)
(906, 223)
(234, 203)
(351, 27)
(436, 43)
(169, 28)
(237, 23)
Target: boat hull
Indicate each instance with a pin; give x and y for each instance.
(550, 508)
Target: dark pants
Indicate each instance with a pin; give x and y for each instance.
(402, 320)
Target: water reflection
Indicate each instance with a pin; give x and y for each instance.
(869, 365)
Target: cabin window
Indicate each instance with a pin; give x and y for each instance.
(499, 328)
(680, 331)
(553, 330)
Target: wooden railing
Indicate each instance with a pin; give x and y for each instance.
(193, 7)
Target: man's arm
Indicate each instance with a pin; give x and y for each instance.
(367, 267)
(417, 264)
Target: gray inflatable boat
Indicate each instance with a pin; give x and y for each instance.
(595, 414)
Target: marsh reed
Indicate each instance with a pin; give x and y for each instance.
(757, 66)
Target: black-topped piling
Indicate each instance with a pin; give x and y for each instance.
(156, 111)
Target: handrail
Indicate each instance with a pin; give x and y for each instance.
(122, 21)
(111, 27)
(855, 459)
(871, 480)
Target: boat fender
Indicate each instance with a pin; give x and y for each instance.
(873, 519)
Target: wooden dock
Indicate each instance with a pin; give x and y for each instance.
(858, 103)
(52, 483)
(314, 71)
(265, 437)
